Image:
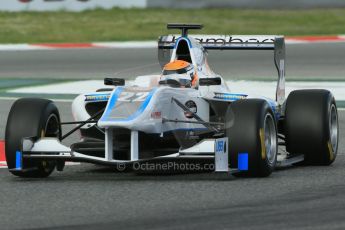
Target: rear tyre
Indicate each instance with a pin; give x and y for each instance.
(31, 117)
(311, 126)
(251, 128)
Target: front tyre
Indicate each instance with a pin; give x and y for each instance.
(31, 117)
(251, 128)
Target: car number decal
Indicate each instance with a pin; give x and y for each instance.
(133, 96)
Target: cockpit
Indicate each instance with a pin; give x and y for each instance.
(183, 52)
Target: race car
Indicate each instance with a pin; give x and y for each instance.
(186, 112)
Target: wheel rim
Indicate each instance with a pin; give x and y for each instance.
(51, 130)
(52, 127)
(333, 125)
(270, 138)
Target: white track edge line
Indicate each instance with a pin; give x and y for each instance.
(16, 98)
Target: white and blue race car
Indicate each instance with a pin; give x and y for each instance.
(187, 112)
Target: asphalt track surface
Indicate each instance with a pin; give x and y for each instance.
(88, 197)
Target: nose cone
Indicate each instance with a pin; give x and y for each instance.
(125, 105)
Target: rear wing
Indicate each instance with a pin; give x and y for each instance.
(224, 42)
(237, 42)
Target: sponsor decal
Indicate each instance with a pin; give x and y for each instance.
(221, 155)
(156, 115)
(220, 148)
(222, 39)
(229, 96)
(97, 97)
(191, 105)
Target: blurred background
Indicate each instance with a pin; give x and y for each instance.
(31, 21)
(55, 41)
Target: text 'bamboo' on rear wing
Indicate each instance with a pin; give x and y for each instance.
(223, 42)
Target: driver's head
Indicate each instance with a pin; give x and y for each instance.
(180, 71)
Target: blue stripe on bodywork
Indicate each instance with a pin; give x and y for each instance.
(183, 38)
(112, 104)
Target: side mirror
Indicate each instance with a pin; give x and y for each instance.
(114, 81)
(170, 82)
(210, 81)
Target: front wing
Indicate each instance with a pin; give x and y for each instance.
(52, 149)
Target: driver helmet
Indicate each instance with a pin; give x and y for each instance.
(180, 72)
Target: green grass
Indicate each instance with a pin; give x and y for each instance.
(139, 24)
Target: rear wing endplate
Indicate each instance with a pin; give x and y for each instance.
(238, 42)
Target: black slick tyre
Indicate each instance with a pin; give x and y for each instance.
(311, 126)
(31, 117)
(251, 128)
